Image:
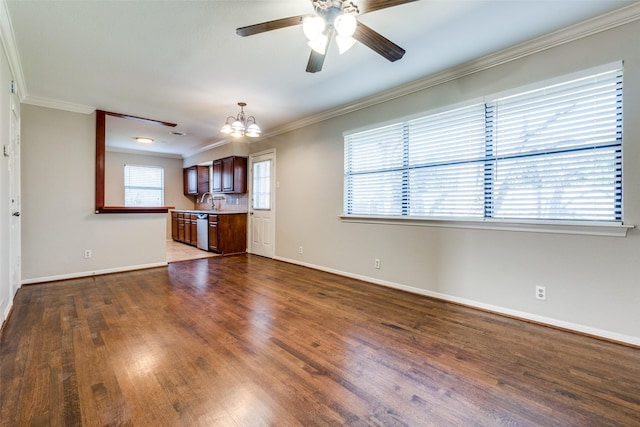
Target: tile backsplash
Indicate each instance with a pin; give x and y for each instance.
(224, 202)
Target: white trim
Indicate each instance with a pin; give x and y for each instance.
(555, 227)
(11, 50)
(270, 152)
(143, 153)
(264, 152)
(92, 273)
(614, 336)
(207, 147)
(58, 105)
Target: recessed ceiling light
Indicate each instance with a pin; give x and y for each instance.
(144, 139)
(177, 133)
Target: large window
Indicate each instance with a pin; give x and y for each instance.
(143, 185)
(549, 153)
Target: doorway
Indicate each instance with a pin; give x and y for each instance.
(14, 195)
(262, 210)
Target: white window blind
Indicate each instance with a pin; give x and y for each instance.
(554, 153)
(376, 180)
(143, 185)
(557, 151)
(445, 162)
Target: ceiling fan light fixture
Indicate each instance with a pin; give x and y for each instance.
(344, 43)
(345, 25)
(319, 44)
(313, 26)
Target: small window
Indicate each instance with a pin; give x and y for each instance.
(143, 185)
(262, 185)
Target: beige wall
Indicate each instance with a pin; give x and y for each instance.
(173, 180)
(58, 205)
(593, 283)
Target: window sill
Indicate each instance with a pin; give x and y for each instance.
(133, 209)
(611, 229)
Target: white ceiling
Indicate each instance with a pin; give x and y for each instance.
(181, 61)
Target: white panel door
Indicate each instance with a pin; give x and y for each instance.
(262, 209)
(14, 195)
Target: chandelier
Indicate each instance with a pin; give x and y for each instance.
(330, 16)
(241, 125)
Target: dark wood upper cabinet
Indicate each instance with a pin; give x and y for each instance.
(196, 180)
(216, 186)
(230, 175)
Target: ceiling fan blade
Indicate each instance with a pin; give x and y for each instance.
(365, 6)
(270, 25)
(378, 43)
(316, 60)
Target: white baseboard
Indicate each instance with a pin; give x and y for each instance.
(608, 335)
(91, 273)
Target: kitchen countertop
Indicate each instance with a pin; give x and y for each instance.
(209, 211)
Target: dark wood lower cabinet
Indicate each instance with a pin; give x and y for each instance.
(194, 230)
(187, 228)
(180, 232)
(184, 228)
(228, 233)
(213, 233)
(174, 225)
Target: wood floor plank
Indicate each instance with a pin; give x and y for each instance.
(248, 341)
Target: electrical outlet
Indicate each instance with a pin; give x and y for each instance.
(376, 263)
(541, 293)
(87, 253)
(300, 250)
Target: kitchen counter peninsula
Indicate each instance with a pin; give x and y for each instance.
(221, 231)
(211, 212)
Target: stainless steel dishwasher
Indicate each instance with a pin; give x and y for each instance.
(202, 223)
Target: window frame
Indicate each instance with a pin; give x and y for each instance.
(596, 227)
(161, 188)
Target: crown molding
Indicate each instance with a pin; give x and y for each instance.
(206, 148)
(142, 153)
(58, 105)
(583, 29)
(11, 50)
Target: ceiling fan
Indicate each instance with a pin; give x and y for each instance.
(335, 19)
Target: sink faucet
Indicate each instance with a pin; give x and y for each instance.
(210, 199)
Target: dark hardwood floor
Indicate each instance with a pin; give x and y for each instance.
(247, 341)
